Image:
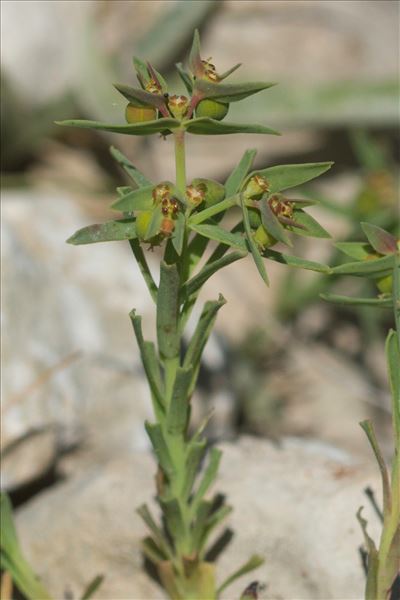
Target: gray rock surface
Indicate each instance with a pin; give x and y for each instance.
(294, 504)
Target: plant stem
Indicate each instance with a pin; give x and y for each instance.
(180, 162)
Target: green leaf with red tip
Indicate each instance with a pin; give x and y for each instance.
(145, 128)
(195, 64)
(229, 92)
(382, 241)
(283, 177)
(207, 126)
(124, 229)
(139, 95)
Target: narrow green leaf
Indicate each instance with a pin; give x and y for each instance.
(202, 331)
(123, 190)
(213, 521)
(150, 364)
(393, 362)
(195, 63)
(199, 527)
(312, 227)
(295, 261)
(194, 284)
(374, 267)
(167, 312)
(177, 417)
(123, 229)
(194, 457)
(92, 587)
(186, 78)
(373, 560)
(173, 518)
(207, 126)
(145, 513)
(140, 199)
(138, 95)
(144, 268)
(382, 241)
(156, 436)
(235, 179)
(152, 550)
(134, 173)
(141, 69)
(357, 250)
(208, 477)
(178, 235)
(253, 563)
(368, 427)
(226, 74)
(229, 92)
(272, 224)
(216, 233)
(212, 211)
(145, 128)
(253, 246)
(283, 177)
(348, 301)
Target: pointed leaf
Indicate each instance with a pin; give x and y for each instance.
(144, 268)
(167, 312)
(152, 550)
(295, 261)
(145, 128)
(134, 173)
(194, 284)
(368, 268)
(173, 518)
(382, 241)
(253, 246)
(393, 361)
(146, 515)
(368, 427)
(177, 417)
(226, 74)
(141, 70)
(186, 78)
(92, 587)
(123, 229)
(139, 95)
(216, 233)
(150, 364)
(194, 457)
(178, 235)
(157, 439)
(154, 225)
(195, 63)
(272, 224)
(229, 92)
(349, 301)
(312, 227)
(140, 199)
(213, 521)
(373, 560)
(208, 477)
(215, 209)
(357, 250)
(254, 562)
(283, 177)
(235, 179)
(207, 126)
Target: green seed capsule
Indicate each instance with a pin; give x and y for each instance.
(263, 239)
(213, 190)
(254, 217)
(212, 109)
(385, 284)
(140, 113)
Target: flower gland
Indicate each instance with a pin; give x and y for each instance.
(169, 207)
(195, 194)
(152, 87)
(212, 109)
(280, 206)
(140, 113)
(178, 106)
(167, 226)
(214, 191)
(210, 72)
(256, 187)
(161, 191)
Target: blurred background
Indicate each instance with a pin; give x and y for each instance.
(282, 362)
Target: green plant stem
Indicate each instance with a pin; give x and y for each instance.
(180, 161)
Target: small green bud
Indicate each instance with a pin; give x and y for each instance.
(212, 109)
(256, 187)
(140, 113)
(213, 191)
(263, 239)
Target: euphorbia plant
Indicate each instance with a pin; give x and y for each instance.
(182, 218)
